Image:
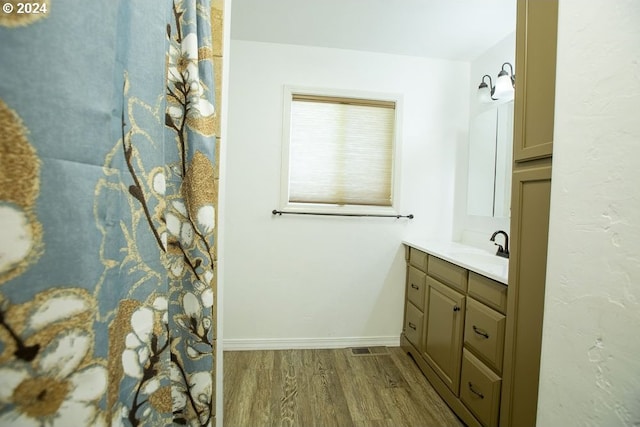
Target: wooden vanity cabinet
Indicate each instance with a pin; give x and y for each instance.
(455, 328)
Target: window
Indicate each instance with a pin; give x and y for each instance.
(339, 152)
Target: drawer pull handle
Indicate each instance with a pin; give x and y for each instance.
(456, 308)
(412, 326)
(477, 393)
(480, 332)
(415, 286)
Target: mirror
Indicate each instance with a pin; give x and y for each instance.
(490, 156)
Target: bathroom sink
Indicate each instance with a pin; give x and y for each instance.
(480, 258)
(485, 263)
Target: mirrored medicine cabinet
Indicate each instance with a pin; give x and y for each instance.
(490, 157)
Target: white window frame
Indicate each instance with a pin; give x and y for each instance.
(286, 205)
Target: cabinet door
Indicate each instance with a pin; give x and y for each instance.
(525, 302)
(537, 24)
(445, 309)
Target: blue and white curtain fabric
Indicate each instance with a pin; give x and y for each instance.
(108, 194)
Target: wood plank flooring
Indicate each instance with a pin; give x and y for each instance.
(327, 388)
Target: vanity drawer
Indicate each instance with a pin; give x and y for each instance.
(480, 390)
(413, 324)
(448, 273)
(415, 287)
(418, 259)
(484, 333)
(488, 291)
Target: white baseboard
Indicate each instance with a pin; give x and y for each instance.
(308, 343)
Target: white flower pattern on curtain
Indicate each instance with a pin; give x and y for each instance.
(108, 254)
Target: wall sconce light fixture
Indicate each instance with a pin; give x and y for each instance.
(504, 89)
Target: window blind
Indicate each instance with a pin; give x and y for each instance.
(341, 151)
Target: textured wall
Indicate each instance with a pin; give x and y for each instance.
(590, 372)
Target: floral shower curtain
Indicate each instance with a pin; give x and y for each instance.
(109, 129)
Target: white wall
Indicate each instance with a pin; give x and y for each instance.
(471, 229)
(296, 279)
(590, 371)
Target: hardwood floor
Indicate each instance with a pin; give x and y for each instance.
(327, 388)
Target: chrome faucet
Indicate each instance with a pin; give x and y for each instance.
(503, 252)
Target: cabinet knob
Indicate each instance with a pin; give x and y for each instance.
(415, 286)
(456, 308)
(412, 326)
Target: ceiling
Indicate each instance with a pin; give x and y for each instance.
(448, 29)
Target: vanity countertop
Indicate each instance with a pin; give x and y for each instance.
(469, 257)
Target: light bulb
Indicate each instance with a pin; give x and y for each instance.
(485, 91)
(505, 83)
(504, 87)
(484, 94)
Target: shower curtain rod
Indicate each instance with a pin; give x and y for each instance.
(277, 212)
